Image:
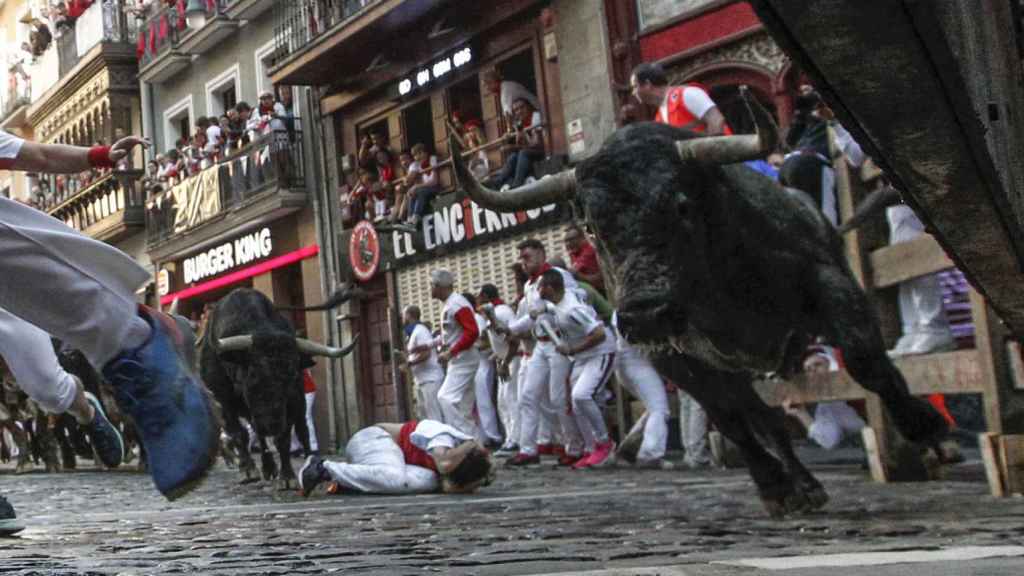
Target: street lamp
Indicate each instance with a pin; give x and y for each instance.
(195, 13)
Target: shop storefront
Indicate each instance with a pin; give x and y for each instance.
(268, 257)
(412, 106)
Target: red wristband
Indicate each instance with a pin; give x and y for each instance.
(99, 157)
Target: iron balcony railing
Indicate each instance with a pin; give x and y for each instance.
(19, 93)
(111, 193)
(161, 31)
(275, 161)
(103, 21)
(300, 23)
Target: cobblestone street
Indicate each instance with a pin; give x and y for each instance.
(536, 521)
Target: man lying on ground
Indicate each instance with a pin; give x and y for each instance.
(404, 458)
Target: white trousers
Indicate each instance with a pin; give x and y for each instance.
(693, 427)
(313, 444)
(33, 363)
(638, 375)
(484, 384)
(547, 371)
(920, 299)
(457, 394)
(590, 378)
(427, 405)
(376, 466)
(508, 401)
(67, 284)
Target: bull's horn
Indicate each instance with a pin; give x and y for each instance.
(318, 349)
(232, 343)
(545, 191)
(714, 150)
(174, 307)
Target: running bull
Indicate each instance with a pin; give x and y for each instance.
(720, 273)
(252, 361)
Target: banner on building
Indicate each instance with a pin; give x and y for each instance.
(197, 200)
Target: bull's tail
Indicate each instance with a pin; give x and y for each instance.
(337, 298)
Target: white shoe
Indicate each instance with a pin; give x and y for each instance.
(932, 342)
(505, 188)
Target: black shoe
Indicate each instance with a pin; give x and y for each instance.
(9, 524)
(311, 475)
(105, 439)
(492, 445)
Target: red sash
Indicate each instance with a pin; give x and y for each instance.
(413, 455)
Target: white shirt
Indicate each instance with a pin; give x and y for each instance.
(451, 330)
(504, 314)
(833, 421)
(576, 320)
(424, 178)
(213, 137)
(512, 91)
(430, 434)
(10, 147)
(524, 324)
(430, 369)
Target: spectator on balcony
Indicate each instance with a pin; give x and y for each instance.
(471, 136)
(40, 37)
(233, 131)
(151, 181)
(214, 138)
(361, 197)
(244, 114)
(285, 97)
(423, 171)
(399, 212)
(173, 170)
(526, 146)
(508, 91)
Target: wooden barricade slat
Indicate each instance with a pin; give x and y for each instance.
(901, 262)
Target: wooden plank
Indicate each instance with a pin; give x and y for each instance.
(999, 393)
(955, 372)
(1011, 453)
(875, 460)
(900, 262)
(988, 442)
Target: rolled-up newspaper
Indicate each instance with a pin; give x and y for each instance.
(549, 330)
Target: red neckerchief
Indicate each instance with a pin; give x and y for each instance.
(544, 268)
(387, 173)
(497, 302)
(529, 121)
(425, 164)
(266, 111)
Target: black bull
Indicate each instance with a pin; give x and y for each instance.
(252, 361)
(720, 273)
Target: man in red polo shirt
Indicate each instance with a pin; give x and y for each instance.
(413, 457)
(688, 106)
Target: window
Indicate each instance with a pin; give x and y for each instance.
(655, 12)
(419, 125)
(178, 121)
(222, 90)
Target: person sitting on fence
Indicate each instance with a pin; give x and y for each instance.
(240, 123)
(360, 199)
(832, 421)
(414, 457)
(387, 180)
(471, 136)
(424, 173)
(401, 185)
(526, 147)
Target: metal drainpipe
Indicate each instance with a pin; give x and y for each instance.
(328, 276)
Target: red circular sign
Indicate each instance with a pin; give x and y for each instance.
(364, 251)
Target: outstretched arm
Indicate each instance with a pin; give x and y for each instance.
(64, 159)
(881, 198)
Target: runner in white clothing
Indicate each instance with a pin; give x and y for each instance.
(499, 315)
(645, 443)
(404, 458)
(458, 334)
(427, 373)
(83, 292)
(547, 368)
(592, 349)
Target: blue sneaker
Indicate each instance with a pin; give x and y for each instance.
(171, 408)
(9, 524)
(105, 439)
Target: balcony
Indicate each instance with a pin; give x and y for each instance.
(247, 9)
(160, 60)
(101, 22)
(309, 34)
(108, 209)
(16, 102)
(206, 29)
(261, 182)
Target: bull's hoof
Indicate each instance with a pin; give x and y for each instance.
(919, 421)
(796, 500)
